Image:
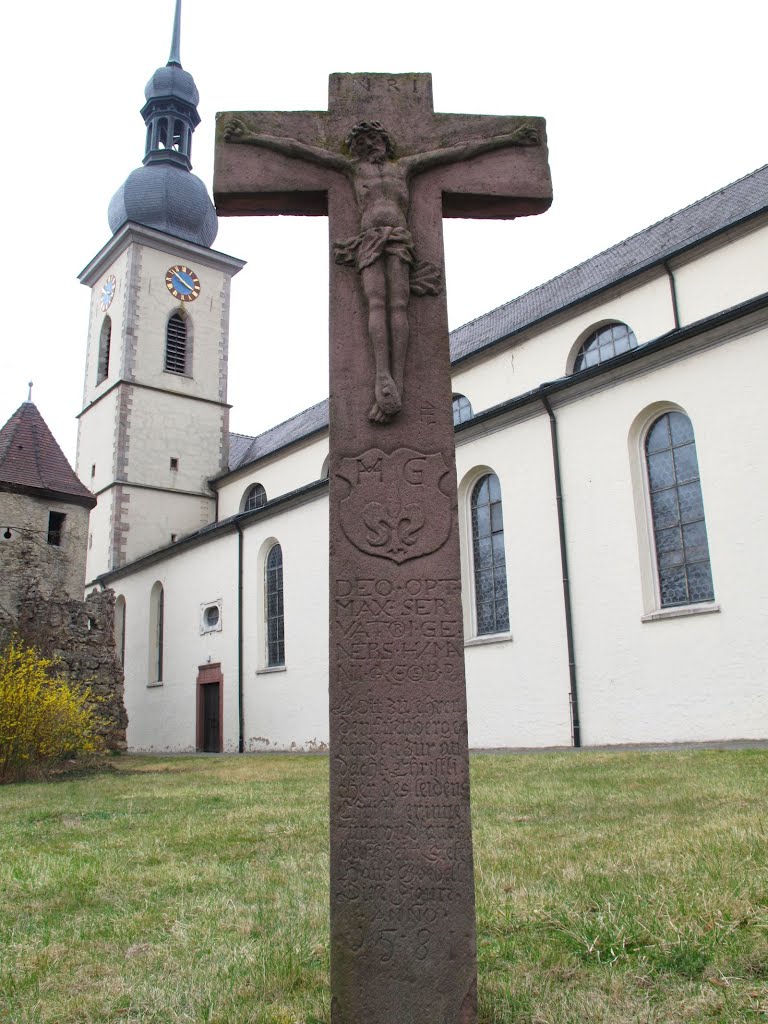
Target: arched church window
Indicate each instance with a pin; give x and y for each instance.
(255, 497)
(274, 600)
(105, 339)
(462, 410)
(604, 343)
(677, 510)
(156, 633)
(488, 559)
(176, 344)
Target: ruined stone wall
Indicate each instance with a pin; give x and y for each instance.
(81, 636)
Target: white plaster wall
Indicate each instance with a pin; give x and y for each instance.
(288, 709)
(164, 718)
(724, 277)
(165, 426)
(96, 442)
(517, 689)
(278, 475)
(155, 516)
(691, 677)
(99, 544)
(285, 708)
(96, 447)
(545, 355)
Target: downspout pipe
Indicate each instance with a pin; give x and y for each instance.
(573, 692)
(673, 294)
(240, 710)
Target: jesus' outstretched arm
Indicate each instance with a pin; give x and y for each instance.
(236, 130)
(525, 135)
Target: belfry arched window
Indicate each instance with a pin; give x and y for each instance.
(273, 592)
(255, 497)
(176, 344)
(162, 134)
(462, 410)
(677, 509)
(105, 340)
(488, 558)
(604, 343)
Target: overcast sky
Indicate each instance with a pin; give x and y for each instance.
(648, 106)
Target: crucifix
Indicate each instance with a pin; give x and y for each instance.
(386, 168)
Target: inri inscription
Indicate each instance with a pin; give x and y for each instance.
(386, 169)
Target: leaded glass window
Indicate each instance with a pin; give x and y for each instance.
(275, 616)
(462, 410)
(604, 343)
(677, 509)
(255, 497)
(176, 344)
(489, 563)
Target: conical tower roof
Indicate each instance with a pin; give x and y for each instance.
(31, 461)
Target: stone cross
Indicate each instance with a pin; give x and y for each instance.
(386, 168)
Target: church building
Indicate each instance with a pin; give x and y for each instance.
(611, 458)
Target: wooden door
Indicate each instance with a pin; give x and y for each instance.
(211, 719)
(210, 693)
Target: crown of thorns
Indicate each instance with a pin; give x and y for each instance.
(367, 128)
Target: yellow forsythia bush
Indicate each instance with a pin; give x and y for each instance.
(43, 718)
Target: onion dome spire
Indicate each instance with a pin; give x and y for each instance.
(170, 112)
(163, 194)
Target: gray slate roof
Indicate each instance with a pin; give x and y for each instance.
(305, 423)
(704, 218)
(675, 233)
(167, 198)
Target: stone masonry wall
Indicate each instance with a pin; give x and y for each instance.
(81, 636)
(26, 557)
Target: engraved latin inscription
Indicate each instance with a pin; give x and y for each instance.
(398, 631)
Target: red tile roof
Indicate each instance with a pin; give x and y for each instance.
(31, 460)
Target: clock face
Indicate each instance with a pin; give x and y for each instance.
(183, 283)
(108, 292)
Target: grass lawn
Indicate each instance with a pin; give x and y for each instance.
(612, 887)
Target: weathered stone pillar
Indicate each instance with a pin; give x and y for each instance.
(386, 169)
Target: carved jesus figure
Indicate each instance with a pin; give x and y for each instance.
(383, 252)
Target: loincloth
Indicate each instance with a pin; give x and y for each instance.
(371, 245)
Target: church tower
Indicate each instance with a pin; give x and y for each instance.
(154, 427)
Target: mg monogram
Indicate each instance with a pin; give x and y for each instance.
(395, 508)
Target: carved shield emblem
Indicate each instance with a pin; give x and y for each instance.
(395, 508)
